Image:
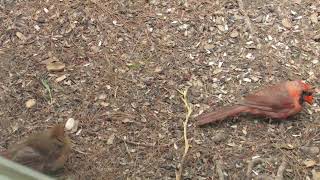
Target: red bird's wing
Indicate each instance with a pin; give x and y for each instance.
(273, 98)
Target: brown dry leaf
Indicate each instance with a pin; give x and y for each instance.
(309, 163)
(314, 18)
(21, 36)
(30, 103)
(55, 66)
(286, 23)
(61, 78)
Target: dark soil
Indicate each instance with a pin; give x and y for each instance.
(125, 61)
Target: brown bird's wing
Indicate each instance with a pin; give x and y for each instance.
(273, 98)
(29, 157)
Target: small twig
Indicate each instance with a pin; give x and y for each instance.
(139, 144)
(48, 89)
(115, 92)
(187, 105)
(127, 149)
(78, 151)
(147, 144)
(281, 169)
(251, 164)
(219, 170)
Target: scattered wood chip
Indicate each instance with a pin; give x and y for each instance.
(220, 136)
(251, 165)
(315, 175)
(263, 177)
(209, 46)
(286, 23)
(309, 163)
(127, 120)
(104, 104)
(217, 71)
(158, 69)
(297, 1)
(247, 80)
(314, 18)
(232, 144)
(111, 139)
(234, 33)
(36, 27)
(315, 61)
(60, 78)
(49, 60)
(281, 169)
(30, 103)
(246, 17)
(21, 36)
(316, 38)
(55, 66)
(221, 28)
(45, 10)
(284, 146)
(313, 150)
(102, 97)
(219, 170)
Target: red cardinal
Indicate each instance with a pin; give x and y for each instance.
(278, 101)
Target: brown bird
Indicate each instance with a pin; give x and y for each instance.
(46, 152)
(277, 101)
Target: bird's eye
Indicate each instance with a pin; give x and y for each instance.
(307, 93)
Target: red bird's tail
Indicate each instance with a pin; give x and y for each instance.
(220, 114)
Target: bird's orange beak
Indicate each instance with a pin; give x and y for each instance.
(308, 92)
(308, 99)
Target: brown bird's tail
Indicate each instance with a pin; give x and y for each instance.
(220, 114)
(5, 154)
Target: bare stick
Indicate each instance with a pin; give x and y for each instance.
(281, 169)
(187, 105)
(219, 170)
(147, 144)
(78, 151)
(127, 149)
(251, 164)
